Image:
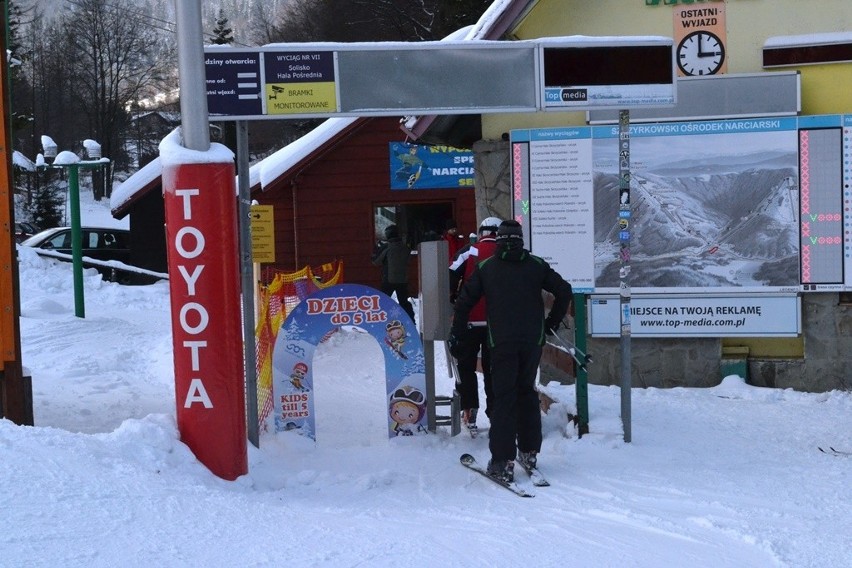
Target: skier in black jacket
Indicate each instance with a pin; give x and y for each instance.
(512, 281)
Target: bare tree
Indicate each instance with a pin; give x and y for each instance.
(49, 97)
(369, 20)
(115, 59)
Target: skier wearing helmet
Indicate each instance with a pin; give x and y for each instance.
(473, 343)
(512, 281)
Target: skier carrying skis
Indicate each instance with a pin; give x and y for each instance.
(473, 342)
(512, 281)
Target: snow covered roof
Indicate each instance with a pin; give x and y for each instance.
(831, 38)
(21, 161)
(269, 169)
(134, 187)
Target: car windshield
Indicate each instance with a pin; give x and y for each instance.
(36, 239)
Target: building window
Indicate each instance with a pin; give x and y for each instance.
(417, 222)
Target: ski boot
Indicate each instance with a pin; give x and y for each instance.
(468, 418)
(527, 460)
(502, 470)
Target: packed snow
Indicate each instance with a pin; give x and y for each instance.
(730, 476)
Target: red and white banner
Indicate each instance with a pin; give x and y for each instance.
(204, 272)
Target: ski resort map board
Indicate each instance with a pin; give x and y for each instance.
(748, 207)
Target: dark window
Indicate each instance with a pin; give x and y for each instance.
(417, 222)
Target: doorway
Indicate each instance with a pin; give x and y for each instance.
(417, 222)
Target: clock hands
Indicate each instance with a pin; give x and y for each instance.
(701, 52)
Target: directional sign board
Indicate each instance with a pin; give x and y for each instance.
(467, 77)
(262, 233)
(299, 82)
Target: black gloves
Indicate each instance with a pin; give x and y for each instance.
(453, 345)
(550, 326)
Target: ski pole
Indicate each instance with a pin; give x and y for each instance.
(574, 351)
(569, 345)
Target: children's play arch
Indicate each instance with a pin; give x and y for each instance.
(316, 319)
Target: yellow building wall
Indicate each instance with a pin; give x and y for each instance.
(826, 89)
(749, 23)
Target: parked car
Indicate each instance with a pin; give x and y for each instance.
(24, 230)
(99, 243)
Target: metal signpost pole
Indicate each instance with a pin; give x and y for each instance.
(247, 279)
(193, 85)
(624, 272)
(76, 239)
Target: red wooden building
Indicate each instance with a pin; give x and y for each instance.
(331, 193)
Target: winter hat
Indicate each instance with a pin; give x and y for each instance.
(391, 232)
(510, 234)
(451, 224)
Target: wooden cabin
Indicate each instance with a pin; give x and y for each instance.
(332, 199)
(331, 196)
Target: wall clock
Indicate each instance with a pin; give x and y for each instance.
(700, 53)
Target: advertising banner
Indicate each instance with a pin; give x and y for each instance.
(316, 319)
(691, 316)
(430, 167)
(201, 234)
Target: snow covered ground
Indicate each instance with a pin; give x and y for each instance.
(729, 476)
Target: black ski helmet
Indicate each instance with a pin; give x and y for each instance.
(510, 234)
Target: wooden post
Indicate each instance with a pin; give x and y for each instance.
(15, 389)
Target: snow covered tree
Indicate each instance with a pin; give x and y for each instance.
(48, 199)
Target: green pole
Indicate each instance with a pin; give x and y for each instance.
(76, 239)
(581, 386)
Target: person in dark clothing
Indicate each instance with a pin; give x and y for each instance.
(393, 257)
(512, 281)
(473, 342)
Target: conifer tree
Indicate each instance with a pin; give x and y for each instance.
(222, 33)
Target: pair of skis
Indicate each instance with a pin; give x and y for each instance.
(536, 476)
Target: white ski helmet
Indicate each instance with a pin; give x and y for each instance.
(490, 225)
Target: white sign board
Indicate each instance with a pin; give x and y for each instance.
(698, 316)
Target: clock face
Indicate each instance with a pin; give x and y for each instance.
(700, 53)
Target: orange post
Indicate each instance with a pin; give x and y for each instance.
(15, 389)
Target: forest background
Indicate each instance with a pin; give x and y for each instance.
(106, 70)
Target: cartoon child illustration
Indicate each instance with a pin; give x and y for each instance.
(395, 337)
(407, 407)
(297, 377)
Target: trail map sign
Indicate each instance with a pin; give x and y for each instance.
(735, 206)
